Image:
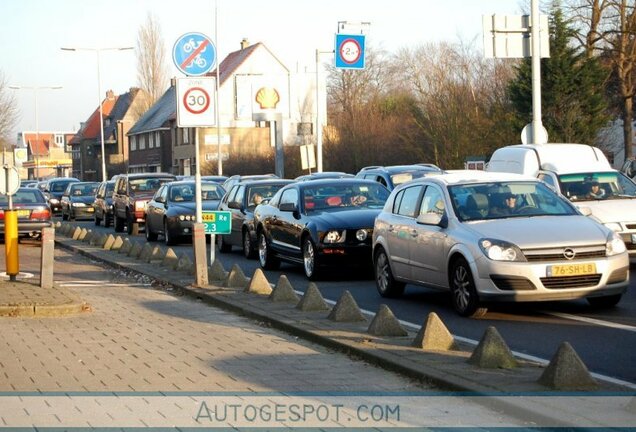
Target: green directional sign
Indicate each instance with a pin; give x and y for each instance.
(217, 222)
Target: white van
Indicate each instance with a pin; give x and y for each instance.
(583, 174)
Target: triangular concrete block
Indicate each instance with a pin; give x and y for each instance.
(236, 278)
(110, 241)
(283, 291)
(76, 233)
(567, 371)
(63, 229)
(434, 335)
(125, 246)
(135, 250)
(216, 272)
(492, 352)
(102, 240)
(92, 238)
(117, 244)
(170, 260)
(346, 310)
(312, 300)
(57, 225)
(259, 284)
(384, 323)
(156, 255)
(145, 253)
(184, 264)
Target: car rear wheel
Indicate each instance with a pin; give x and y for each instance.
(150, 236)
(605, 301)
(107, 220)
(97, 220)
(119, 224)
(222, 244)
(385, 283)
(170, 239)
(248, 248)
(310, 259)
(464, 292)
(265, 257)
(64, 217)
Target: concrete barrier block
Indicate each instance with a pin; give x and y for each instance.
(216, 272)
(434, 335)
(125, 246)
(259, 284)
(110, 241)
(76, 233)
(384, 323)
(83, 233)
(492, 352)
(145, 253)
(101, 240)
(283, 291)
(567, 371)
(312, 300)
(170, 259)
(236, 278)
(156, 255)
(346, 310)
(184, 264)
(117, 244)
(135, 250)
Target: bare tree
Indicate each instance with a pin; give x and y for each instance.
(589, 15)
(8, 113)
(152, 71)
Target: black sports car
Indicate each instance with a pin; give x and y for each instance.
(319, 223)
(172, 210)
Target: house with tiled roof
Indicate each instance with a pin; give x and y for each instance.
(254, 88)
(119, 114)
(48, 154)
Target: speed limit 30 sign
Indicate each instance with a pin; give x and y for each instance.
(195, 102)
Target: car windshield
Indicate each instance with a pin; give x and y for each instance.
(83, 189)
(185, 192)
(334, 197)
(497, 200)
(23, 196)
(403, 177)
(59, 186)
(597, 186)
(147, 185)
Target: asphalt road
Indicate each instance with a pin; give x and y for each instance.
(604, 339)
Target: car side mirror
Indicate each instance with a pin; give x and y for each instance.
(439, 220)
(288, 207)
(234, 205)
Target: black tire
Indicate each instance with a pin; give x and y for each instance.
(71, 217)
(222, 244)
(97, 220)
(107, 220)
(385, 283)
(463, 292)
(248, 248)
(311, 264)
(64, 217)
(604, 302)
(150, 236)
(119, 224)
(265, 257)
(169, 238)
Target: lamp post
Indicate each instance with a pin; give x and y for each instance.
(318, 119)
(99, 97)
(36, 89)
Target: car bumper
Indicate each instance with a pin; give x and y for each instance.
(359, 255)
(28, 227)
(56, 208)
(180, 228)
(529, 281)
(83, 212)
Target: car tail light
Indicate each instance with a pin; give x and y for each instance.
(1, 214)
(41, 214)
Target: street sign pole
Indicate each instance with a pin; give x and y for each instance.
(537, 126)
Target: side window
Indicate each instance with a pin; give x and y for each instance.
(289, 196)
(164, 192)
(240, 194)
(158, 193)
(547, 178)
(408, 204)
(382, 181)
(230, 195)
(397, 201)
(433, 202)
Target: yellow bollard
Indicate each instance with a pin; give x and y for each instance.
(11, 243)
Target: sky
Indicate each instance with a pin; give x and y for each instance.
(33, 31)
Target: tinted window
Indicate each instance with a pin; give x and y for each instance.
(289, 196)
(25, 196)
(147, 185)
(82, 189)
(59, 186)
(408, 204)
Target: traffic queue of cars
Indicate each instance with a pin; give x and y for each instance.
(482, 236)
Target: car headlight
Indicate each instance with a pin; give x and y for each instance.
(499, 250)
(79, 204)
(614, 245)
(362, 234)
(335, 236)
(186, 217)
(54, 200)
(616, 227)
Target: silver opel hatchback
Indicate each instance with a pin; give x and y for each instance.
(495, 237)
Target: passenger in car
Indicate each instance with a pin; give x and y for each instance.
(506, 205)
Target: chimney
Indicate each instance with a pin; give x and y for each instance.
(110, 95)
(245, 43)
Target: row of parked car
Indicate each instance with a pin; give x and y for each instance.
(482, 236)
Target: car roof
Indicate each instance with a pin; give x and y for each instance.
(250, 182)
(337, 181)
(401, 168)
(141, 175)
(453, 177)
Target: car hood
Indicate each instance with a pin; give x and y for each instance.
(612, 210)
(190, 207)
(345, 219)
(542, 231)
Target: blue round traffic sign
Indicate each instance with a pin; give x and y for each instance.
(194, 54)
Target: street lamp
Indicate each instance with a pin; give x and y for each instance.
(37, 126)
(99, 97)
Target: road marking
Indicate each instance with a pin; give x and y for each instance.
(593, 321)
(86, 283)
(523, 356)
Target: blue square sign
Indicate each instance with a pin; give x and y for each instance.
(349, 51)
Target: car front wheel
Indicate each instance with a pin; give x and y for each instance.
(464, 292)
(222, 244)
(310, 259)
(170, 239)
(248, 249)
(150, 236)
(385, 283)
(265, 258)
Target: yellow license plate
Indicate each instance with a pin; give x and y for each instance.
(571, 269)
(90, 209)
(24, 213)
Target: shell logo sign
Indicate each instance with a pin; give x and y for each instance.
(267, 98)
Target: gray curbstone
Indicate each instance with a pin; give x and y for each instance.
(135, 250)
(259, 284)
(384, 323)
(184, 264)
(125, 246)
(76, 233)
(492, 352)
(110, 241)
(216, 272)
(236, 278)
(346, 310)
(170, 260)
(146, 252)
(283, 291)
(156, 255)
(312, 300)
(631, 405)
(434, 335)
(567, 371)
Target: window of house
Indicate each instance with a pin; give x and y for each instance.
(59, 140)
(142, 142)
(133, 143)
(157, 139)
(151, 140)
(186, 135)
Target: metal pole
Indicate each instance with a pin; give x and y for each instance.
(318, 120)
(537, 127)
(197, 178)
(101, 118)
(37, 136)
(218, 79)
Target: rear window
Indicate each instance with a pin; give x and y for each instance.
(83, 189)
(148, 185)
(59, 186)
(28, 196)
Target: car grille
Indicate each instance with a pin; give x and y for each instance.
(617, 276)
(566, 282)
(511, 283)
(556, 254)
